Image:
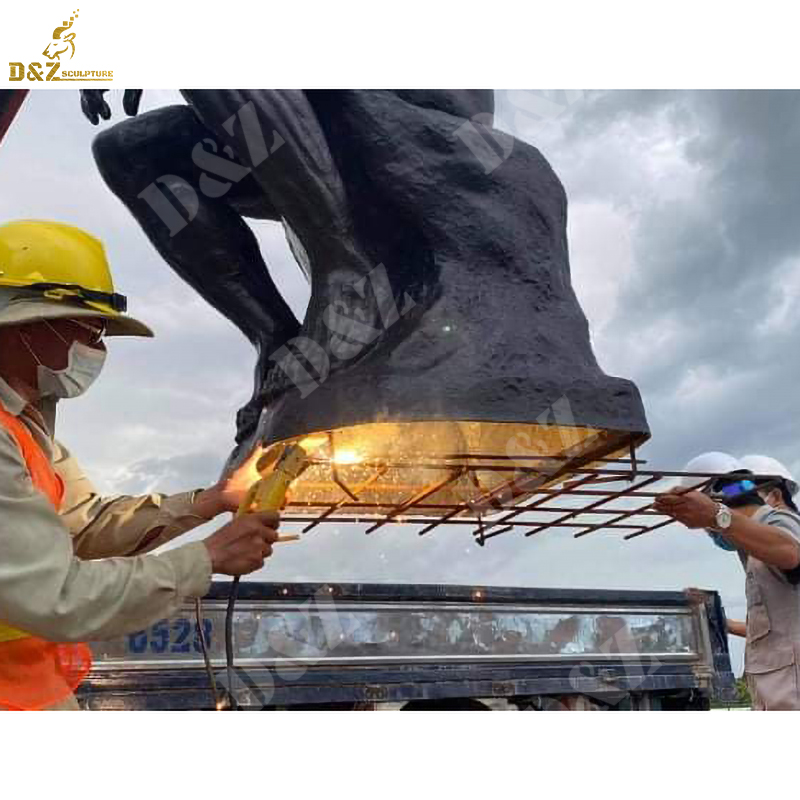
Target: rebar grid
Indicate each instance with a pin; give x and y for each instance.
(572, 498)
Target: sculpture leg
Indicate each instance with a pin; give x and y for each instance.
(277, 134)
(216, 253)
(292, 163)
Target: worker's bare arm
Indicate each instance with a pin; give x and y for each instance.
(768, 543)
(736, 627)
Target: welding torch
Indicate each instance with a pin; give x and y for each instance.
(267, 494)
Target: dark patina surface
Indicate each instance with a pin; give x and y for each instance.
(465, 224)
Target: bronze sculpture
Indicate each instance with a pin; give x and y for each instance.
(436, 249)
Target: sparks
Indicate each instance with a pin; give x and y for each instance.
(347, 457)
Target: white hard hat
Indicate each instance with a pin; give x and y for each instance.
(764, 465)
(713, 462)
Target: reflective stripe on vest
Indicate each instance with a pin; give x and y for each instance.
(35, 673)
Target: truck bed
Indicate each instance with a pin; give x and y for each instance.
(300, 645)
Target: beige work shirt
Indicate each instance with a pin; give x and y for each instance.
(772, 652)
(51, 584)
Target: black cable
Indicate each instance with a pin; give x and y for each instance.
(198, 615)
(229, 640)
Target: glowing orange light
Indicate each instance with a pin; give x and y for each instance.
(367, 470)
(312, 442)
(251, 466)
(347, 457)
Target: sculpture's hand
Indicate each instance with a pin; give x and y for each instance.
(94, 106)
(130, 101)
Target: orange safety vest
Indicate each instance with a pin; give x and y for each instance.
(35, 673)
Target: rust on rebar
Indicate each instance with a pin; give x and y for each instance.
(667, 521)
(427, 491)
(531, 506)
(622, 515)
(342, 503)
(588, 509)
(455, 509)
(581, 485)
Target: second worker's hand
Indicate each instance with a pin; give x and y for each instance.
(242, 546)
(228, 493)
(689, 506)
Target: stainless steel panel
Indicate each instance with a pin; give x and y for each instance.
(324, 632)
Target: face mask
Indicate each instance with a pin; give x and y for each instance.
(719, 540)
(768, 500)
(84, 364)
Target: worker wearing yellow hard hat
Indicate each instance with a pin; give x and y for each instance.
(62, 582)
(54, 271)
(751, 509)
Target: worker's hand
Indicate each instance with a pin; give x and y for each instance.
(735, 627)
(231, 490)
(94, 105)
(695, 596)
(694, 509)
(241, 546)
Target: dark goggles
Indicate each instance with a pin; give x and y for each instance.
(726, 490)
(73, 293)
(729, 490)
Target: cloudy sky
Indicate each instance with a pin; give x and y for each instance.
(685, 253)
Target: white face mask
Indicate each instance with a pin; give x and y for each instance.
(84, 364)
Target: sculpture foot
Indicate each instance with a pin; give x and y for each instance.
(247, 418)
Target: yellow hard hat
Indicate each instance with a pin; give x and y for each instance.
(59, 271)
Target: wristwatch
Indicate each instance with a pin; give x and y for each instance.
(723, 518)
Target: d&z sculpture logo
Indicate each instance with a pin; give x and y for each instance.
(60, 48)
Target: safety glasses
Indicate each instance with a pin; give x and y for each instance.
(97, 329)
(724, 489)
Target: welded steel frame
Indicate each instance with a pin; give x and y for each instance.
(505, 515)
